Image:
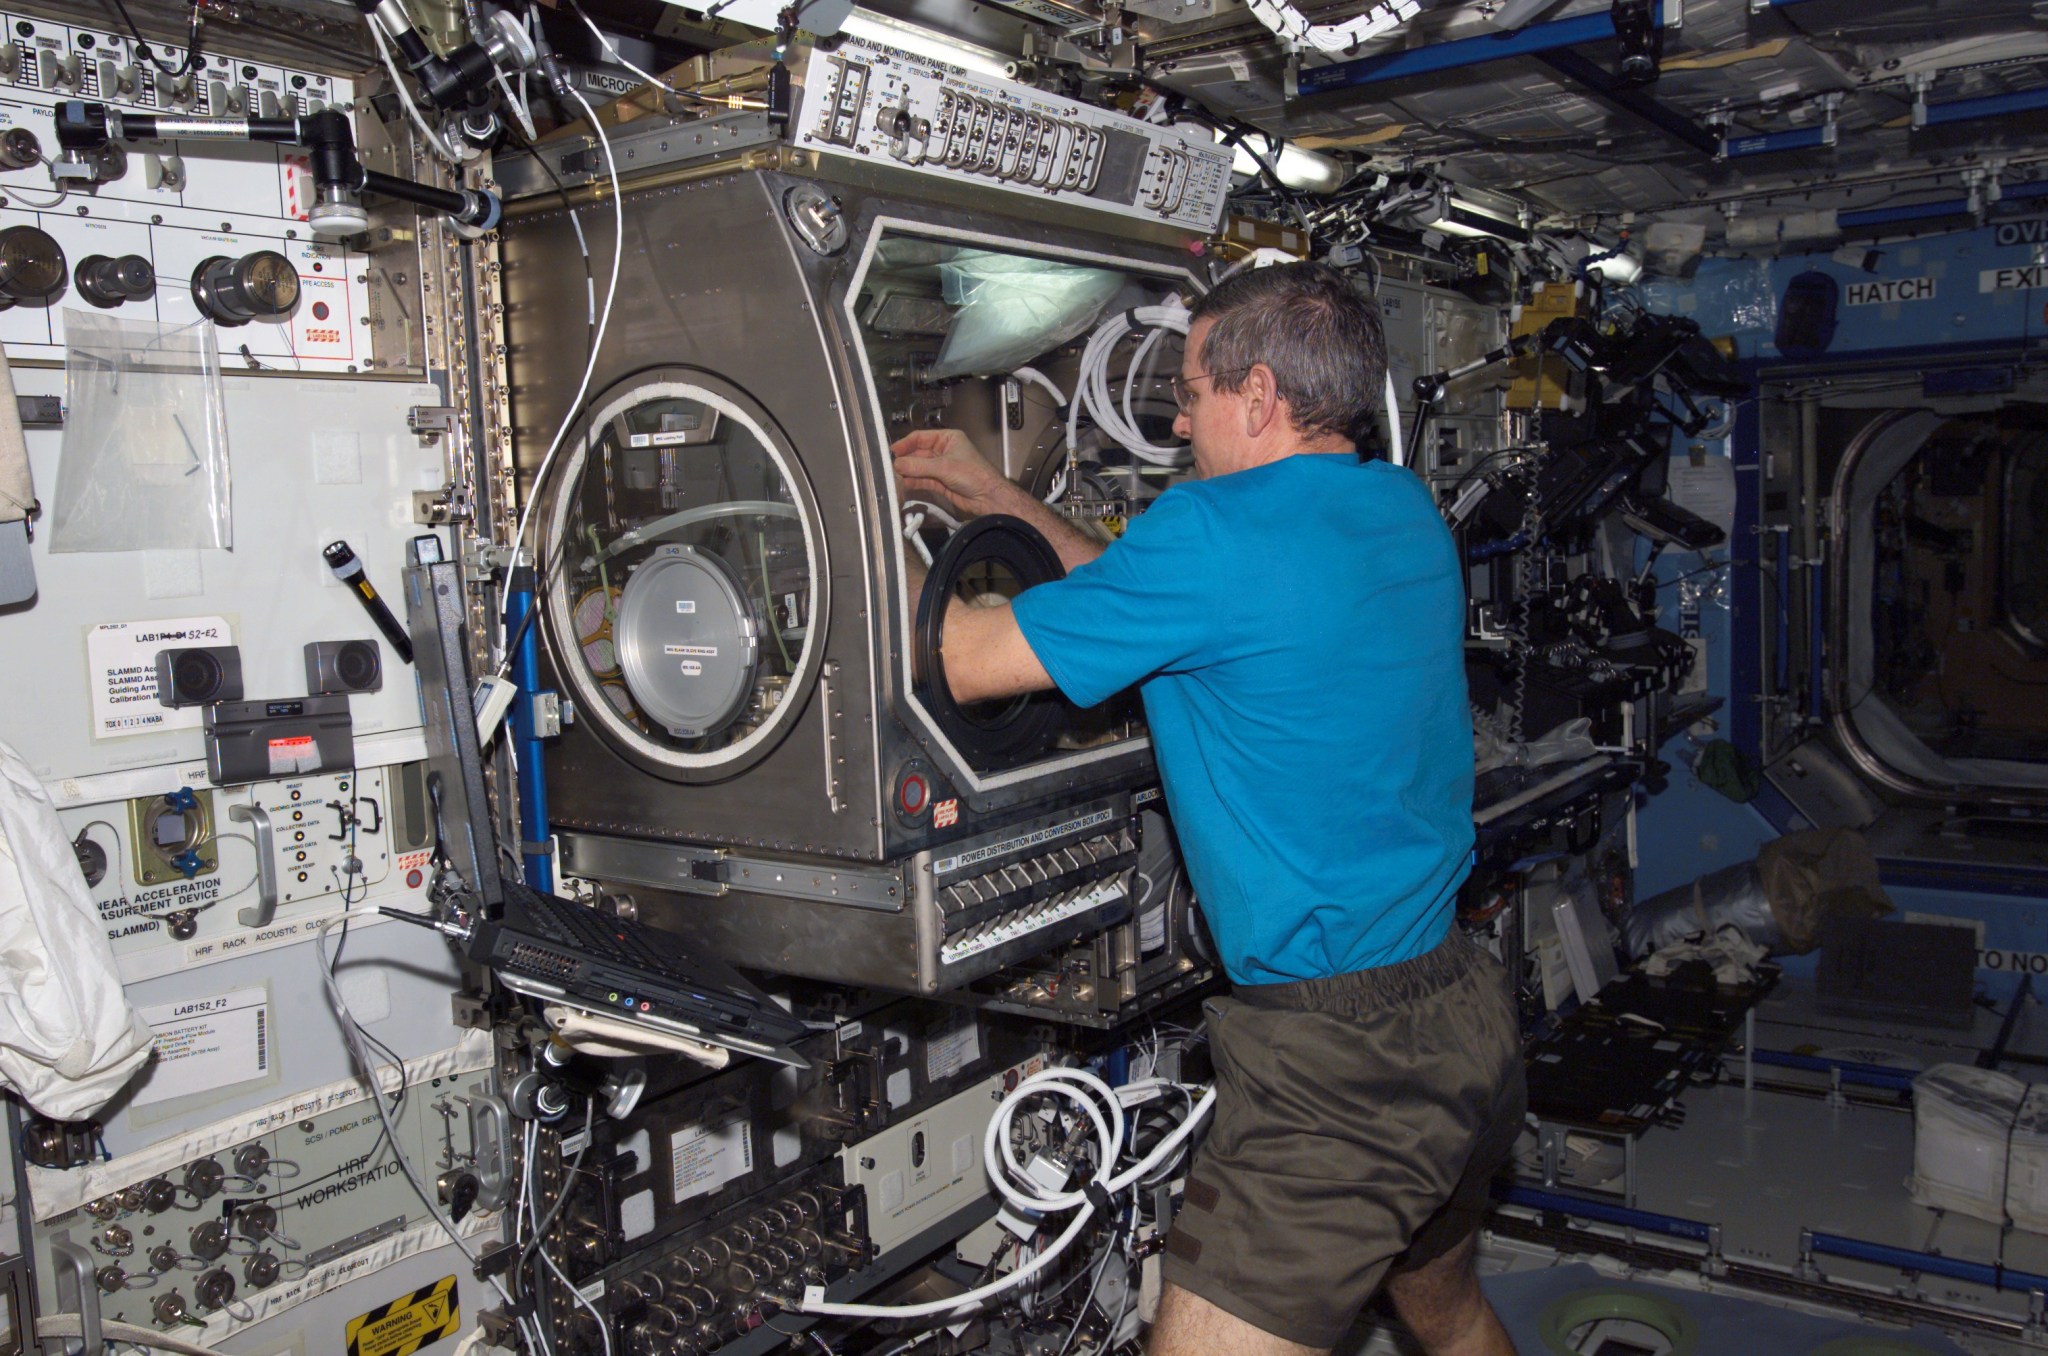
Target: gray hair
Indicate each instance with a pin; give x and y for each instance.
(1320, 336)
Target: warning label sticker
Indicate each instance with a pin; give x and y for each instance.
(408, 1323)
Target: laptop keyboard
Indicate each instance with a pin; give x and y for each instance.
(586, 931)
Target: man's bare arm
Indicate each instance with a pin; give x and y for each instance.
(983, 649)
(1074, 546)
(987, 656)
(942, 463)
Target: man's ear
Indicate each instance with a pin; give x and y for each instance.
(1261, 395)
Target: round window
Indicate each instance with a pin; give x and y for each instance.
(682, 573)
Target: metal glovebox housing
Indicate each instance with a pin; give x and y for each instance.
(723, 513)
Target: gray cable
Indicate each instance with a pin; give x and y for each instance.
(352, 1036)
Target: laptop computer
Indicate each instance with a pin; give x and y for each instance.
(561, 952)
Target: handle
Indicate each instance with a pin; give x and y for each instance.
(78, 1291)
(490, 1141)
(258, 820)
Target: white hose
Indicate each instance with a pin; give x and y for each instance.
(682, 518)
(1093, 392)
(71, 1325)
(1293, 27)
(1011, 1179)
(604, 320)
(1396, 453)
(912, 521)
(1039, 379)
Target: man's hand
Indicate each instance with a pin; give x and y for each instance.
(943, 464)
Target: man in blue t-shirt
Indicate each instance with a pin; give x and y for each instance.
(1294, 620)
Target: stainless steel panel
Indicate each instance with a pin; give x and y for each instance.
(717, 286)
(714, 872)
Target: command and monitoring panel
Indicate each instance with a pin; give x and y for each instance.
(898, 108)
(168, 231)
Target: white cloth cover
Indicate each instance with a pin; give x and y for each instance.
(614, 1038)
(69, 1038)
(17, 491)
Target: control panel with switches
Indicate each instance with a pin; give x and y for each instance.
(195, 874)
(164, 231)
(897, 108)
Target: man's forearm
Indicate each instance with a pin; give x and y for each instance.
(1073, 546)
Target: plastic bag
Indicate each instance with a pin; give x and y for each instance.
(1819, 874)
(1491, 748)
(1745, 296)
(1731, 897)
(1013, 308)
(1778, 900)
(145, 453)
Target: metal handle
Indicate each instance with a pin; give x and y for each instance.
(78, 1291)
(490, 1140)
(258, 820)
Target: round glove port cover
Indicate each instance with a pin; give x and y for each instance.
(688, 642)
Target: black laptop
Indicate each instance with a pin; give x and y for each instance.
(560, 952)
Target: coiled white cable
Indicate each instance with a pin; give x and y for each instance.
(1291, 26)
(1018, 1187)
(1093, 390)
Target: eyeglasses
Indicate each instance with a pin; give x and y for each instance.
(1180, 383)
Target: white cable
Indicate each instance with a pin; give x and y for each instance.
(1059, 400)
(1092, 392)
(912, 521)
(1131, 373)
(434, 142)
(540, 1245)
(72, 1325)
(603, 1329)
(604, 320)
(1004, 1172)
(352, 1037)
(1294, 29)
(934, 512)
(517, 103)
(1039, 379)
(1397, 451)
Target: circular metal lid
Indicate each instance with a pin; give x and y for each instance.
(687, 642)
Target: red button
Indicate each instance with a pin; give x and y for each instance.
(413, 879)
(913, 795)
(320, 311)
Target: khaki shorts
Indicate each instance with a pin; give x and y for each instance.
(1359, 1122)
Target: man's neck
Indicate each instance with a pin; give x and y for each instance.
(1294, 447)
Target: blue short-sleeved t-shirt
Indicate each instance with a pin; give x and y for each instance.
(1298, 629)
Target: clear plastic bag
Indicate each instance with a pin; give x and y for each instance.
(1013, 308)
(145, 452)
